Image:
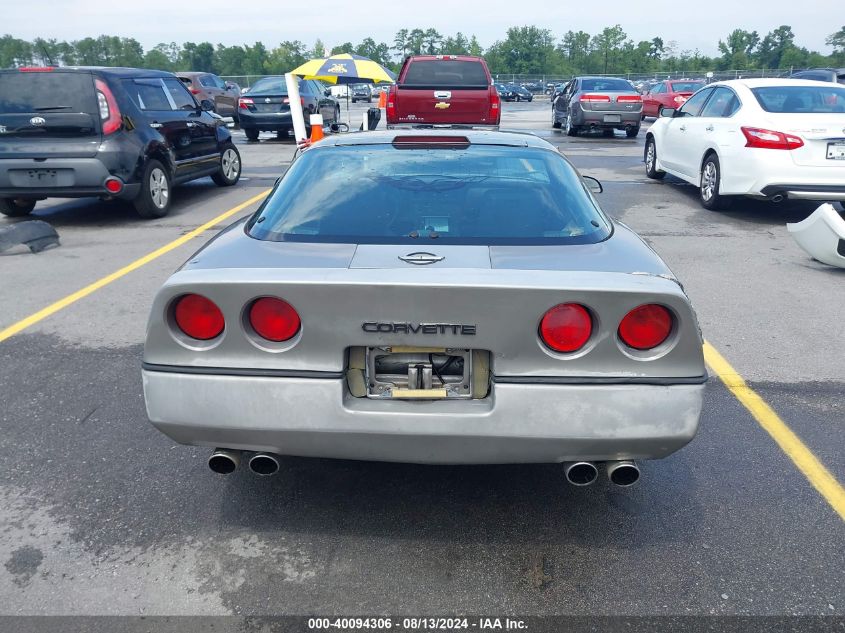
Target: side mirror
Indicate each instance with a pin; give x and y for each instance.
(668, 112)
(207, 105)
(592, 184)
(327, 92)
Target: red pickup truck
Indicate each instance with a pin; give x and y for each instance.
(443, 90)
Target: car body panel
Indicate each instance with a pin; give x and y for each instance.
(270, 111)
(821, 235)
(668, 94)
(209, 86)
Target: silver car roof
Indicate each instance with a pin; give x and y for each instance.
(476, 137)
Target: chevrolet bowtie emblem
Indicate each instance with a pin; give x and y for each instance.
(442, 105)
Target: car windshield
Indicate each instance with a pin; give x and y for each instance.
(606, 85)
(801, 99)
(271, 86)
(686, 86)
(446, 74)
(466, 194)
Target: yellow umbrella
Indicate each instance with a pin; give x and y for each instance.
(345, 68)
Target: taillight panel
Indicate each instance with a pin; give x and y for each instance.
(109, 112)
(771, 139)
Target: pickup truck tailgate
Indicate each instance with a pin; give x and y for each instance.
(461, 106)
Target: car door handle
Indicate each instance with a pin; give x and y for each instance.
(155, 124)
(191, 124)
(709, 128)
(683, 128)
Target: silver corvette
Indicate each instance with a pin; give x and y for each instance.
(432, 297)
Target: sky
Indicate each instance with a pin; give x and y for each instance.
(692, 24)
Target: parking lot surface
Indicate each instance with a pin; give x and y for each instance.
(104, 515)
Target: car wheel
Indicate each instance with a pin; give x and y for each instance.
(571, 130)
(632, 132)
(711, 177)
(251, 134)
(651, 161)
(153, 201)
(230, 167)
(16, 207)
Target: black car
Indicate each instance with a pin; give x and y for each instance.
(360, 92)
(835, 75)
(108, 132)
(512, 92)
(265, 106)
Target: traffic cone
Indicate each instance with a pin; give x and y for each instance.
(382, 99)
(316, 127)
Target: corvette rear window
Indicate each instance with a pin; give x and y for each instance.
(801, 99)
(477, 194)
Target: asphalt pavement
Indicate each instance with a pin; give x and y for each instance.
(101, 514)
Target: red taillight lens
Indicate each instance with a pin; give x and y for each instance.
(646, 327)
(195, 91)
(36, 69)
(679, 99)
(593, 98)
(274, 319)
(495, 103)
(109, 112)
(769, 139)
(113, 185)
(244, 103)
(629, 99)
(391, 100)
(286, 100)
(566, 327)
(199, 317)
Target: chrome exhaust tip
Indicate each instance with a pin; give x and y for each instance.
(624, 474)
(778, 197)
(264, 464)
(223, 461)
(581, 473)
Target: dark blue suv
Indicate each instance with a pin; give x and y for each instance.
(120, 133)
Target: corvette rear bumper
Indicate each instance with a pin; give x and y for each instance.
(516, 423)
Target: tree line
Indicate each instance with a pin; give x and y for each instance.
(524, 50)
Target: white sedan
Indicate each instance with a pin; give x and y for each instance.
(767, 138)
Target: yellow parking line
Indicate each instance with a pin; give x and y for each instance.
(42, 314)
(795, 449)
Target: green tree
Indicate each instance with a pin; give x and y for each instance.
(608, 44)
(837, 41)
(575, 48)
(285, 57)
(15, 52)
(319, 50)
(431, 42)
(772, 48)
(475, 47)
(378, 52)
(400, 42)
(527, 49)
(254, 59)
(229, 60)
(737, 49)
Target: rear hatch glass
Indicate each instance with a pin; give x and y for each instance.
(48, 104)
(469, 194)
(447, 74)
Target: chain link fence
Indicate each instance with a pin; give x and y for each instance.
(539, 82)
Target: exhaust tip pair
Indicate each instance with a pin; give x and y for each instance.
(623, 473)
(224, 462)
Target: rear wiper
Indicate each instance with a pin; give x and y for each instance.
(56, 107)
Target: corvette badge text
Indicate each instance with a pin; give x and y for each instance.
(420, 328)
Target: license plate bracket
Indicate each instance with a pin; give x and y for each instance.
(418, 373)
(836, 150)
(613, 118)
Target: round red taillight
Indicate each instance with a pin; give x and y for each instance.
(646, 327)
(566, 327)
(274, 319)
(113, 185)
(199, 317)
